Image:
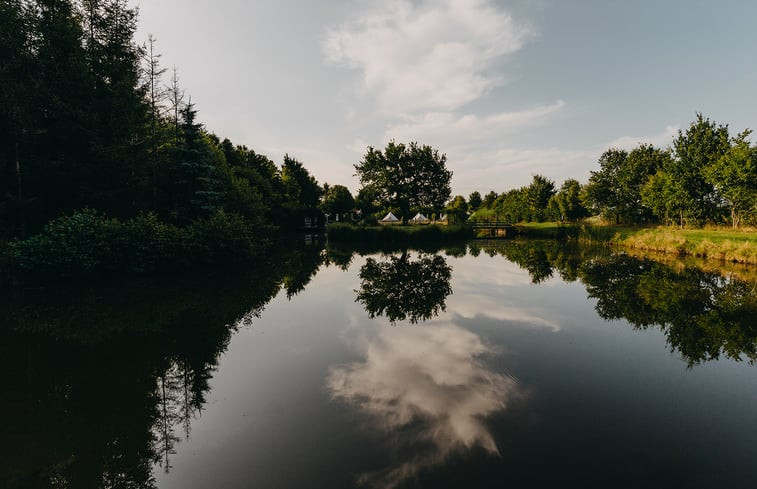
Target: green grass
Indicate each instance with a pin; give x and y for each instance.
(723, 244)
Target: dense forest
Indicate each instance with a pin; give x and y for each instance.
(705, 177)
(96, 134)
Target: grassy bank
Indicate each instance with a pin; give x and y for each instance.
(725, 245)
(397, 235)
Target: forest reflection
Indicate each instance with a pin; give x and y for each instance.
(105, 379)
(705, 315)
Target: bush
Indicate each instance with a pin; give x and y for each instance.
(88, 242)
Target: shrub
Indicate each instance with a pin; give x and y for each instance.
(87, 242)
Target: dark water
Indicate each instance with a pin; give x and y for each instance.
(511, 365)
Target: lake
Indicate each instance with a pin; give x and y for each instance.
(492, 364)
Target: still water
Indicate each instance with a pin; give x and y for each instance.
(487, 365)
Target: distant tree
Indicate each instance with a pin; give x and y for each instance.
(337, 199)
(701, 146)
(474, 201)
(457, 209)
(734, 176)
(194, 180)
(658, 195)
(175, 95)
(600, 194)
(156, 93)
(538, 194)
(489, 199)
(513, 205)
(566, 203)
(301, 189)
(406, 176)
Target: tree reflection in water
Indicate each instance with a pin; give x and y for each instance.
(704, 315)
(405, 288)
(429, 391)
(103, 380)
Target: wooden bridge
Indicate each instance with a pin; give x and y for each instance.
(493, 229)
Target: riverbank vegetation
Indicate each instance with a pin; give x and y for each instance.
(104, 165)
(705, 177)
(724, 245)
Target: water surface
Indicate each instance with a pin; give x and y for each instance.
(520, 364)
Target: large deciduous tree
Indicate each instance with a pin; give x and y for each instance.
(734, 176)
(701, 146)
(407, 177)
(336, 200)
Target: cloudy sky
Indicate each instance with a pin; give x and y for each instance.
(506, 89)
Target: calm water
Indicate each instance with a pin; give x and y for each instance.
(515, 365)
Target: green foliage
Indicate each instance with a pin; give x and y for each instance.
(406, 176)
(701, 146)
(566, 204)
(337, 200)
(301, 190)
(457, 210)
(537, 196)
(474, 201)
(88, 243)
(489, 199)
(734, 176)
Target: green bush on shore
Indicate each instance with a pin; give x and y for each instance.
(90, 243)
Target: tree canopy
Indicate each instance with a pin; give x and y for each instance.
(406, 177)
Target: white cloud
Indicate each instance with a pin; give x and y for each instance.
(436, 128)
(429, 384)
(662, 139)
(433, 56)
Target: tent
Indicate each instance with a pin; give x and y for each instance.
(390, 218)
(419, 218)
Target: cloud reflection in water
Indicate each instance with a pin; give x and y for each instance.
(429, 388)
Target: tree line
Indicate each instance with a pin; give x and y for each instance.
(88, 121)
(706, 176)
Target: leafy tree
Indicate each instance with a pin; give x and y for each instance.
(489, 199)
(337, 200)
(659, 196)
(474, 200)
(457, 209)
(406, 176)
(301, 189)
(701, 146)
(642, 162)
(537, 196)
(600, 193)
(734, 176)
(513, 205)
(566, 203)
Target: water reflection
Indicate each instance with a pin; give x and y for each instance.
(704, 314)
(104, 380)
(405, 288)
(429, 391)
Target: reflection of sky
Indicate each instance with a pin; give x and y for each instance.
(431, 381)
(486, 286)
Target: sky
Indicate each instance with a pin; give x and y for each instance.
(506, 89)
